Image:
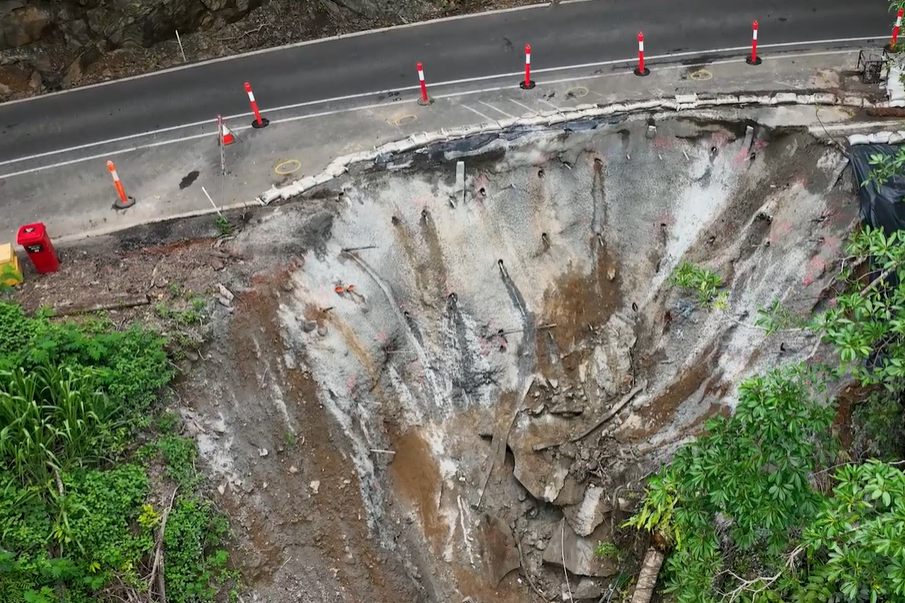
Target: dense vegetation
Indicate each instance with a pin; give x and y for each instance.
(82, 507)
(767, 505)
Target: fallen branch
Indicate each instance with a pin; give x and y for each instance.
(521, 560)
(562, 550)
(609, 415)
(876, 281)
(647, 577)
(239, 37)
(66, 309)
(747, 586)
(158, 555)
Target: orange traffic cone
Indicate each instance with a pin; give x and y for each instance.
(226, 135)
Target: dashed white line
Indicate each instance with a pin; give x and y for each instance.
(356, 34)
(476, 112)
(532, 110)
(347, 110)
(350, 97)
(495, 109)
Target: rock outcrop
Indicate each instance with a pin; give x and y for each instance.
(113, 23)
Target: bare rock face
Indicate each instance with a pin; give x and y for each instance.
(113, 23)
(577, 553)
(370, 9)
(22, 24)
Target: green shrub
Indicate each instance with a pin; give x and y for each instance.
(74, 527)
(195, 566)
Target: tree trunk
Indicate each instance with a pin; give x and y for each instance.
(647, 577)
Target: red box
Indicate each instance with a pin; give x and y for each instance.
(38, 246)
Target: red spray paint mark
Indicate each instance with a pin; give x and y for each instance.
(720, 139)
(816, 268)
(779, 229)
(663, 142)
(831, 244)
(350, 385)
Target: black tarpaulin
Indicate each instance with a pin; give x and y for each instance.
(881, 206)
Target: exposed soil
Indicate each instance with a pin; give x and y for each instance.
(395, 442)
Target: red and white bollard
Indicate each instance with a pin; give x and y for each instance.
(895, 28)
(122, 201)
(527, 84)
(424, 100)
(641, 69)
(259, 122)
(754, 59)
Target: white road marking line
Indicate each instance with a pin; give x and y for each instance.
(549, 104)
(661, 68)
(417, 87)
(497, 110)
(535, 111)
(366, 107)
(161, 143)
(476, 112)
(356, 34)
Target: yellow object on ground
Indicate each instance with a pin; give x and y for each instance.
(9, 266)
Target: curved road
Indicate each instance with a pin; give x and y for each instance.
(479, 46)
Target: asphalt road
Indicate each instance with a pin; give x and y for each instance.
(560, 35)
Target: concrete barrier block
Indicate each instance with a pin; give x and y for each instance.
(686, 99)
(858, 139)
(269, 195)
(896, 138)
(308, 182)
(726, 99)
(879, 137)
(420, 139)
(668, 106)
(292, 190)
(406, 144)
(335, 170)
(804, 99)
(585, 106)
(825, 98)
(896, 103)
(853, 101)
(748, 99)
(648, 104)
(572, 115)
(784, 98)
(508, 122)
(322, 178)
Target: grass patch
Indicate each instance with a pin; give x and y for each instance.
(702, 282)
(79, 518)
